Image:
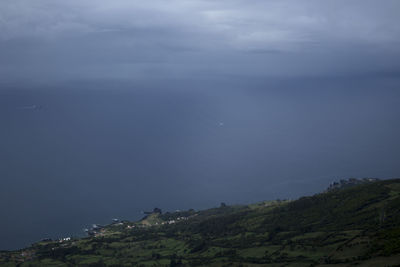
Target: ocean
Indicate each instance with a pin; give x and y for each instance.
(77, 153)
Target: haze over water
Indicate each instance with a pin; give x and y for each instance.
(78, 154)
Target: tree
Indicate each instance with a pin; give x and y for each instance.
(157, 210)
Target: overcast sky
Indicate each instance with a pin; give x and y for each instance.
(90, 39)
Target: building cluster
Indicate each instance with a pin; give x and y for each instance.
(64, 239)
(99, 230)
(349, 182)
(95, 230)
(179, 219)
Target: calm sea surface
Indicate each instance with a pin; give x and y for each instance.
(77, 154)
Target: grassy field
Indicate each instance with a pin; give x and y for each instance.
(359, 225)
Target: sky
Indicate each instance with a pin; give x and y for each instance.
(109, 108)
(52, 40)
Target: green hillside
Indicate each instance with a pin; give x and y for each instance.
(355, 225)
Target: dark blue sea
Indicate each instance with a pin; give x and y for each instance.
(77, 153)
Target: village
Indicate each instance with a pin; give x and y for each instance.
(152, 219)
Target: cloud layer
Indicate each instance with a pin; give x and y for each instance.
(119, 39)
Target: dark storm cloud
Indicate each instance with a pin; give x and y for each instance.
(135, 39)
